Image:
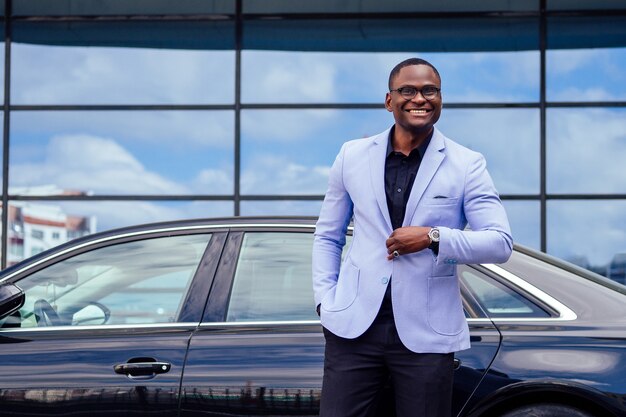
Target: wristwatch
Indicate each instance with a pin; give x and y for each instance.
(433, 235)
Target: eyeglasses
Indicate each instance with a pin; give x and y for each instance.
(429, 92)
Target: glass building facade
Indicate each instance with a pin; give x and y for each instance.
(118, 113)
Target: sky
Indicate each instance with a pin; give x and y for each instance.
(290, 151)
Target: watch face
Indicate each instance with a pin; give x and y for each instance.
(434, 235)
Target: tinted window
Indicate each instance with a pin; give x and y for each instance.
(136, 282)
(497, 299)
(273, 278)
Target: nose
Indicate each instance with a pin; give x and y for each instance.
(418, 97)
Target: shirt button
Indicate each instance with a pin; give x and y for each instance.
(399, 190)
(384, 280)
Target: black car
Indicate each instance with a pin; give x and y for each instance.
(216, 318)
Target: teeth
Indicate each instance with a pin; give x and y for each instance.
(417, 111)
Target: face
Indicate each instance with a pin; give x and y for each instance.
(418, 115)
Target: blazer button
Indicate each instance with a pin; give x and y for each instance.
(384, 280)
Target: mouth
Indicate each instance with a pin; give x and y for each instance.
(418, 112)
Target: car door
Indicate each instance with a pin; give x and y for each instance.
(260, 348)
(104, 331)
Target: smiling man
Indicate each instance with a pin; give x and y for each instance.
(392, 310)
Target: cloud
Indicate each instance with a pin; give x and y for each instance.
(602, 223)
(101, 75)
(270, 174)
(287, 77)
(90, 163)
(285, 125)
(576, 93)
(214, 181)
(488, 76)
(586, 150)
(173, 129)
(563, 62)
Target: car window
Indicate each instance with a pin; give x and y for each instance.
(143, 281)
(497, 299)
(273, 278)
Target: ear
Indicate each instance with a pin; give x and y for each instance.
(388, 102)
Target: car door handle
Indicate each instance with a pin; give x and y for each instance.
(142, 370)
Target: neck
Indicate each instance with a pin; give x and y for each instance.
(405, 141)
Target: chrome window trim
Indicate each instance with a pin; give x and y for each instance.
(565, 313)
(183, 326)
(262, 323)
(229, 324)
(148, 232)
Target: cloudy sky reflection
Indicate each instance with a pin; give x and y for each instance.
(290, 151)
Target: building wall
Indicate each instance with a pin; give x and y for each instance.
(157, 110)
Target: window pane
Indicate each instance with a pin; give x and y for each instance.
(497, 299)
(353, 77)
(116, 152)
(281, 208)
(115, 7)
(109, 75)
(585, 5)
(273, 278)
(432, 34)
(586, 74)
(586, 150)
(588, 233)
(71, 220)
(196, 34)
(332, 6)
(291, 151)
(136, 282)
(524, 218)
(569, 32)
(509, 140)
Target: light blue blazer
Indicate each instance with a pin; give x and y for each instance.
(451, 191)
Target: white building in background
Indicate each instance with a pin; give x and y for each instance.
(37, 226)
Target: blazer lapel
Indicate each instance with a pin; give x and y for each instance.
(433, 157)
(377, 156)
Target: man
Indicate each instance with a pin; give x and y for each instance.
(393, 309)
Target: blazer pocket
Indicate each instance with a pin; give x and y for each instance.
(346, 290)
(445, 311)
(442, 201)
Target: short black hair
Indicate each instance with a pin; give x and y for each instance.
(407, 63)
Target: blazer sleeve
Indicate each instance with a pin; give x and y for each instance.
(489, 238)
(330, 231)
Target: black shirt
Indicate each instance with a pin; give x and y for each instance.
(400, 172)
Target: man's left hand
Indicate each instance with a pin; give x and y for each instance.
(407, 240)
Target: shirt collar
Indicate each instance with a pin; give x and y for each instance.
(421, 149)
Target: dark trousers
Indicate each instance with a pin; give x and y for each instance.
(355, 371)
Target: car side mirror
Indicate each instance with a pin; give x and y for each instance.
(11, 299)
